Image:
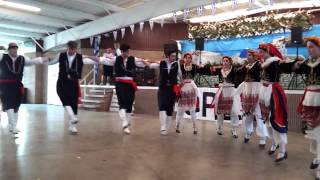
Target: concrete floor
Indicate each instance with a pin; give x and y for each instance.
(45, 151)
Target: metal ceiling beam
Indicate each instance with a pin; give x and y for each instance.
(53, 9)
(102, 4)
(27, 26)
(19, 33)
(121, 19)
(33, 18)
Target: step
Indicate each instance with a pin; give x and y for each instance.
(94, 96)
(91, 101)
(97, 91)
(112, 109)
(88, 106)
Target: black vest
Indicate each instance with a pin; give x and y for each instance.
(165, 78)
(73, 73)
(125, 71)
(253, 74)
(6, 68)
(312, 73)
(271, 73)
(188, 74)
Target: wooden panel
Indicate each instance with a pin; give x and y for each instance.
(146, 40)
(294, 119)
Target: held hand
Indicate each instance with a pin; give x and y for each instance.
(45, 59)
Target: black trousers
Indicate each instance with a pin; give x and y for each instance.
(166, 99)
(11, 96)
(125, 94)
(108, 71)
(68, 93)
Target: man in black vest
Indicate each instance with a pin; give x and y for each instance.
(68, 85)
(168, 80)
(125, 67)
(11, 87)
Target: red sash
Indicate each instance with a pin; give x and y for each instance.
(12, 81)
(128, 81)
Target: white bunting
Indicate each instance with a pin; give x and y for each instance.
(151, 23)
(123, 31)
(213, 7)
(91, 41)
(162, 22)
(115, 33)
(185, 14)
(174, 16)
(200, 10)
(141, 26)
(132, 28)
(270, 2)
(234, 3)
(251, 2)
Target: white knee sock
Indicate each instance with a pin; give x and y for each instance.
(71, 115)
(220, 119)
(193, 118)
(248, 124)
(179, 119)
(123, 117)
(163, 119)
(10, 114)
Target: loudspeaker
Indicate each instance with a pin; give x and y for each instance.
(200, 44)
(296, 35)
(169, 48)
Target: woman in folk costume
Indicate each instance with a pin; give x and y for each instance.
(226, 100)
(11, 87)
(249, 92)
(272, 99)
(309, 106)
(68, 85)
(189, 91)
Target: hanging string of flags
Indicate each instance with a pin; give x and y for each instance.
(186, 12)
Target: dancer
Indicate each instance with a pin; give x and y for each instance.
(249, 92)
(226, 100)
(68, 85)
(272, 99)
(124, 67)
(11, 87)
(168, 80)
(189, 91)
(309, 106)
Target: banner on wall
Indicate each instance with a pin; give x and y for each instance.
(205, 96)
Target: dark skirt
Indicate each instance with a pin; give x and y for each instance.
(11, 95)
(166, 99)
(125, 94)
(68, 92)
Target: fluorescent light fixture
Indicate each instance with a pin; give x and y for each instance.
(19, 6)
(245, 12)
(169, 15)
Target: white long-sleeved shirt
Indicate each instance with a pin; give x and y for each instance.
(28, 61)
(71, 59)
(110, 61)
